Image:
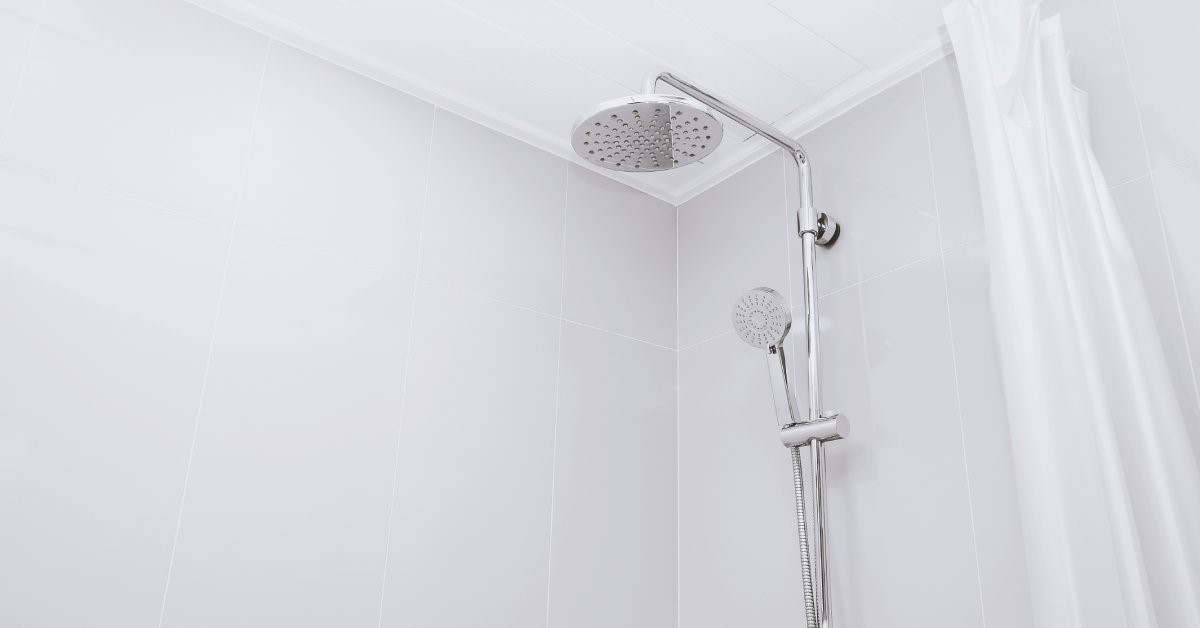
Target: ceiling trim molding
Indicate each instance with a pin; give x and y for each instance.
(849, 94)
(835, 102)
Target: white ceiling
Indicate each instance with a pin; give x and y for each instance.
(530, 68)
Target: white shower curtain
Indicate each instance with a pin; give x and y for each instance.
(1107, 481)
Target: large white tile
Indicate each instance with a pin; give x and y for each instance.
(108, 314)
(619, 270)
(149, 100)
(987, 441)
(613, 558)
(1178, 193)
(472, 499)
(902, 506)
(338, 162)
(731, 238)
(285, 518)
(16, 35)
(1160, 39)
(1098, 67)
(872, 173)
(494, 216)
(738, 554)
(959, 207)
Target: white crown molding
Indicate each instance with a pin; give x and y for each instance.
(833, 103)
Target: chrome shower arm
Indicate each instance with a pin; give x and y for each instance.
(807, 214)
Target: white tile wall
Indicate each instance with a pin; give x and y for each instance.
(470, 536)
(494, 216)
(219, 251)
(613, 557)
(619, 270)
(338, 162)
(731, 239)
(736, 522)
(871, 168)
(285, 520)
(1159, 37)
(16, 35)
(161, 118)
(107, 316)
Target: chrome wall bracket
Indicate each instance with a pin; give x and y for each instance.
(828, 230)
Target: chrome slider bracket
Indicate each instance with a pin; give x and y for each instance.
(834, 427)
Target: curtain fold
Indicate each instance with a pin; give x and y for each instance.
(1107, 480)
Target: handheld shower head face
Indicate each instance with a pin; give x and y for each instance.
(647, 132)
(761, 318)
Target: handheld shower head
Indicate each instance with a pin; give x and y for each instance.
(761, 318)
(647, 132)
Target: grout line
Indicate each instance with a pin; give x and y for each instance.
(954, 361)
(1162, 223)
(891, 271)
(707, 340)
(541, 313)
(212, 341)
(562, 289)
(617, 334)
(12, 105)
(408, 351)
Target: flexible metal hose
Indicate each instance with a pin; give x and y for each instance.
(810, 600)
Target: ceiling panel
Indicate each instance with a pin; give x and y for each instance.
(854, 26)
(530, 68)
(774, 38)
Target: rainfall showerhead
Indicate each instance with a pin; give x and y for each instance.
(647, 132)
(761, 318)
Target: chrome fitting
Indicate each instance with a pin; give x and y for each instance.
(828, 230)
(834, 427)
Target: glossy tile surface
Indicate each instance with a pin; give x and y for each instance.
(1178, 193)
(494, 216)
(1159, 37)
(106, 337)
(613, 548)
(872, 173)
(620, 259)
(338, 163)
(738, 557)
(956, 180)
(987, 440)
(908, 492)
(285, 520)
(16, 35)
(160, 115)
(731, 239)
(472, 499)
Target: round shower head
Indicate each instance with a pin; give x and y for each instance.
(761, 318)
(647, 132)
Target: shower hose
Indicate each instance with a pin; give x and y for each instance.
(810, 606)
